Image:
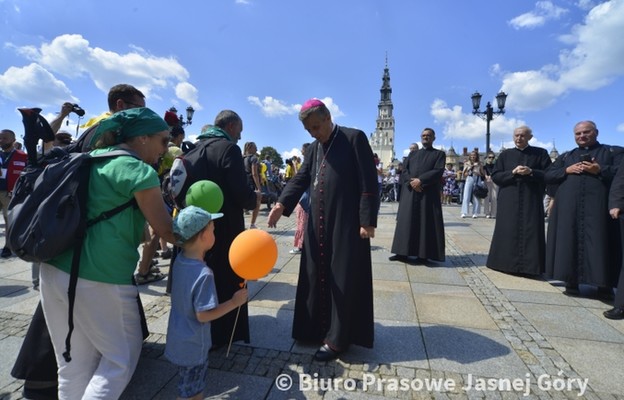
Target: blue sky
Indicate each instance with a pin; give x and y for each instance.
(560, 62)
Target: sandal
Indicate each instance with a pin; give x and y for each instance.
(148, 278)
(165, 255)
(154, 270)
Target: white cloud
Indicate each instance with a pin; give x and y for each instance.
(336, 112)
(457, 125)
(293, 152)
(187, 92)
(593, 62)
(272, 107)
(543, 12)
(33, 85)
(528, 20)
(243, 2)
(596, 60)
(620, 127)
(71, 56)
(531, 90)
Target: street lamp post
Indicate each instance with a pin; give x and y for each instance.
(489, 113)
(189, 115)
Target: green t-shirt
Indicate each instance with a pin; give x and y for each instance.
(109, 253)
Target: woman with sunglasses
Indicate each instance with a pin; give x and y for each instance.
(489, 203)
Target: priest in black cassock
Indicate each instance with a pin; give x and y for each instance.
(616, 210)
(518, 243)
(334, 301)
(419, 230)
(222, 163)
(582, 238)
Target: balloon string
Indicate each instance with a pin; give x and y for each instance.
(227, 354)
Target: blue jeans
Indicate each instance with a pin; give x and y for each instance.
(468, 189)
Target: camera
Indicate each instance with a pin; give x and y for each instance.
(586, 157)
(78, 110)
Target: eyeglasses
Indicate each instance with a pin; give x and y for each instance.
(491, 158)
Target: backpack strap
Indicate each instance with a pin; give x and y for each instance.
(75, 265)
(132, 202)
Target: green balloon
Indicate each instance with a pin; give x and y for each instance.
(206, 195)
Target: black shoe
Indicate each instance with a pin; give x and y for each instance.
(40, 393)
(398, 257)
(216, 347)
(572, 290)
(614, 313)
(604, 293)
(326, 353)
(6, 252)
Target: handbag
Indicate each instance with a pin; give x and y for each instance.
(480, 190)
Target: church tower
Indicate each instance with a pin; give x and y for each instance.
(382, 140)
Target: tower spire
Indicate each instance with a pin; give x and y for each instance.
(382, 140)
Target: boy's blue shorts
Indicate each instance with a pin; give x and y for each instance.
(192, 380)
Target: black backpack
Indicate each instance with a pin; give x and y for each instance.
(47, 212)
(186, 169)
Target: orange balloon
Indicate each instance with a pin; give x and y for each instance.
(253, 254)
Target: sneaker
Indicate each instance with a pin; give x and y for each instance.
(253, 226)
(295, 251)
(474, 216)
(488, 216)
(463, 215)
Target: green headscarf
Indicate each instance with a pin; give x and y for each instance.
(131, 123)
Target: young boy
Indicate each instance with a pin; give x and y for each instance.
(194, 301)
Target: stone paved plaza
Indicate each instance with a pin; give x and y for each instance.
(452, 330)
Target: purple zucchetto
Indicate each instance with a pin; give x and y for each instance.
(311, 103)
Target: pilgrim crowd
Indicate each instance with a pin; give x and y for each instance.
(335, 192)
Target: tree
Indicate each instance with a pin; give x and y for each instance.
(274, 157)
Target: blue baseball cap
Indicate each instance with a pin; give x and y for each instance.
(190, 221)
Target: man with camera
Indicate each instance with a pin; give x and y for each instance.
(120, 97)
(582, 243)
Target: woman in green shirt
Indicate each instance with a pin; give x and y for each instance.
(107, 337)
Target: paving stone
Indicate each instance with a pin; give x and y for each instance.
(506, 326)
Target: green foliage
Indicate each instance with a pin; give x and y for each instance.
(273, 156)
